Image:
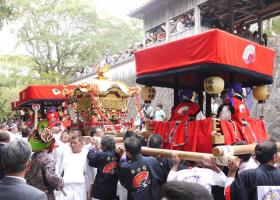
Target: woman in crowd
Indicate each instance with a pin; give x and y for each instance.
(42, 170)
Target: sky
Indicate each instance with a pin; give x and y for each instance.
(118, 8)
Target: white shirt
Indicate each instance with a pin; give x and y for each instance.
(75, 167)
(14, 136)
(202, 176)
(58, 155)
(180, 27)
(17, 177)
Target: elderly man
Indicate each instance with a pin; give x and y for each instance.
(16, 159)
(4, 139)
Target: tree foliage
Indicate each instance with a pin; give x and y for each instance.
(5, 11)
(64, 36)
(15, 75)
(272, 26)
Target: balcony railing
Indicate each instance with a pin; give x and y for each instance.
(188, 32)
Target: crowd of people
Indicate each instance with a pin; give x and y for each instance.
(73, 169)
(243, 30)
(212, 19)
(182, 23)
(111, 60)
(177, 25)
(158, 35)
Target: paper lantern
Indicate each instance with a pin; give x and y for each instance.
(214, 85)
(148, 93)
(260, 93)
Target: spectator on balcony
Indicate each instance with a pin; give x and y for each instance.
(218, 23)
(264, 39)
(140, 46)
(151, 38)
(190, 21)
(160, 34)
(172, 26)
(180, 27)
(247, 32)
(256, 36)
(240, 29)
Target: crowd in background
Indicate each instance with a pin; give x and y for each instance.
(177, 25)
(111, 60)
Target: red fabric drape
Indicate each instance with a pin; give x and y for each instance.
(232, 135)
(200, 139)
(197, 139)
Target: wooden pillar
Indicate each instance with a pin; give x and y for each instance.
(260, 28)
(176, 92)
(208, 105)
(231, 15)
(197, 18)
(200, 93)
(167, 23)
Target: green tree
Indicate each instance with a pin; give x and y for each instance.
(15, 75)
(272, 26)
(5, 11)
(64, 36)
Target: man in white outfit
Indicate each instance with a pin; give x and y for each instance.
(75, 171)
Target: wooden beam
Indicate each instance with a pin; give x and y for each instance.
(186, 155)
(236, 149)
(261, 12)
(245, 12)
(260, 28)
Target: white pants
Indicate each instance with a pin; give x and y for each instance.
(121, 191)
(74, 191)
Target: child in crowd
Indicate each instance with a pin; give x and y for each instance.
(159, 114)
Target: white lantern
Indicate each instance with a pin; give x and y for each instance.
(214, 85)
(148, 93)
(260, 93)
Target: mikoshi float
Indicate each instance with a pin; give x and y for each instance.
(101, 103)
(208, 64)
(42, 103)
